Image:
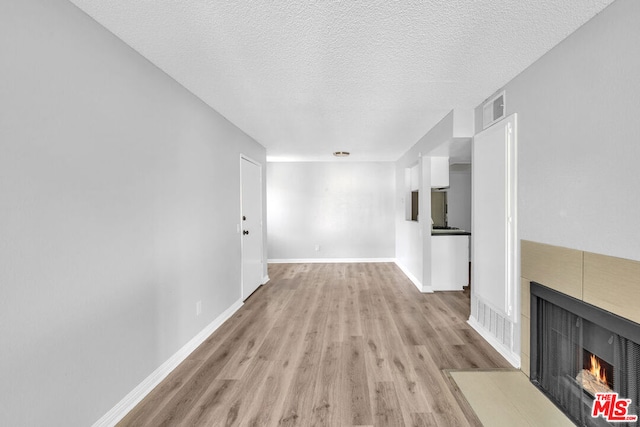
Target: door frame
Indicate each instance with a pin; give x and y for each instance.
(510, 308)
(244, 157)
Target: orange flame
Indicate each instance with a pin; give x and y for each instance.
(597, 371)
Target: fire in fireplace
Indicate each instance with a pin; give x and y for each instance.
(596, 376)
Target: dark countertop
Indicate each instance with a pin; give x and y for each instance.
(441, 232)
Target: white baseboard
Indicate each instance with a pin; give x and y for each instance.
(134, 397)
(265, 279)
(414, 279)
(506, 352)
(328, 260)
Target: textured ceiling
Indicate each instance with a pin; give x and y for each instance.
(306, 78)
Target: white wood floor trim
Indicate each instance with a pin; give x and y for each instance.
(329, 260)
(414, 279)
(136, 395)
(506, 352)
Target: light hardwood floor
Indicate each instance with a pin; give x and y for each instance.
(328, 344)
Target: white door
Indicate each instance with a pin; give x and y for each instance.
(251, 226)
(494, 239)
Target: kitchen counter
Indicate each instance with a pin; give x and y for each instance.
(449, 260)
(442, 232)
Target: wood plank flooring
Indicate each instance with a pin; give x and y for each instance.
(328, 345)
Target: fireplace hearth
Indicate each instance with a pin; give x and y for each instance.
(578, 350)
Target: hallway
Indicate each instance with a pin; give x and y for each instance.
(328, 344)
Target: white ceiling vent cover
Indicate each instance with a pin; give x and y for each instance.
(493, 110)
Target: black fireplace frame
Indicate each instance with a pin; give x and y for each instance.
(617, 325)
(607, 320)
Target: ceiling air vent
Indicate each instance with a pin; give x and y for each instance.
(493, 110)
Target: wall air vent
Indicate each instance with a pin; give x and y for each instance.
(499, 326)
(493, 110)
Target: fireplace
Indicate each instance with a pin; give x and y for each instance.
(578, 350)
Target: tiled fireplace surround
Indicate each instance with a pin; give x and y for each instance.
(611, 284)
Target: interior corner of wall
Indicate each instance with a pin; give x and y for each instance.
(413, 279)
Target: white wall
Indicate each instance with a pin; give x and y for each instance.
(578, 133)
(413, 239)
(119, 199)
(347, 208)
(579, 138)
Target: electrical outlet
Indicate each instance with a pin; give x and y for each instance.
(317, 248)
(198, 308)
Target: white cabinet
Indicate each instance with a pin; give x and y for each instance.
(439, 172)
(449, 262)
(414, 182)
